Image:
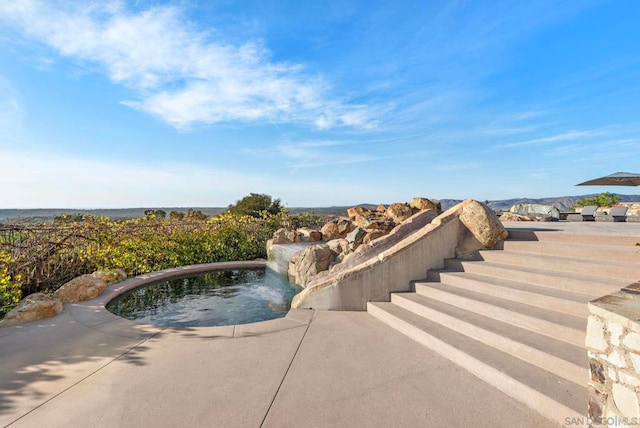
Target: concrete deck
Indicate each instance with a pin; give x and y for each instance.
(87, 367)
(581, 227)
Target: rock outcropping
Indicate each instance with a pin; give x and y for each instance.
(344, 236)
(81, 288)
(32, 308)
(39, 305)
(391, 262)
(531, 212)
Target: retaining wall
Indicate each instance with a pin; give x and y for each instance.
(613, 346)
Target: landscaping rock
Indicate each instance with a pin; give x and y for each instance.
(309, 262)
(345, 226)
(32, 308)
(381, 208)
(81, 288)
(423, 204)
(355, 211)
(374, 221)
(509, 216)
(307, 234)
(355, 237)
(330, 231)
(399, 212)
(482, 223)
(284, 236)
(340, 247)
(535, 210)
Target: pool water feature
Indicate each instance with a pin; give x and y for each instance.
(281, 254)
(211, 299)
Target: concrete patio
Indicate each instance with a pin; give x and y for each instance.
(87, 367)
(312, 369)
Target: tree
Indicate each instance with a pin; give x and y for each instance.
(195, 215)
(254, 204)
(155, 214)
(605, 199)
(176, 215)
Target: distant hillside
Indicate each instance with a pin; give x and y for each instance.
(38, 215)
(563, 203)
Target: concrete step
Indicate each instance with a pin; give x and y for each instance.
(621, 253)
(552, 396)
(464, 278)
(554, 236)
(611, 269)
(567, 281)
(567, 328)
(541, 297)
(530, 347)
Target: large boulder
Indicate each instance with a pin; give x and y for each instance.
(357, 210)
(509, 216)
(355, 237)
(535, 210)
(399, 212)
(379, 245)
(374, 221)
(32, 308)
(284, 236)
(307, 234)
(340, 247)
(309, 262)
(345, 226)
(81, 288)
(330, 231)
(483, 228)
(423, 204)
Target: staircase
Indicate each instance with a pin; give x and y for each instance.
(517, 318)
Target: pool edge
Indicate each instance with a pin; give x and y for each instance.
(93, 313)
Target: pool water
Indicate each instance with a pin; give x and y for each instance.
(211, 299)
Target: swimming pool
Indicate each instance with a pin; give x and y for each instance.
(216, 298)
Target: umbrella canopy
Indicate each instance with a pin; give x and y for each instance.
(617, 179)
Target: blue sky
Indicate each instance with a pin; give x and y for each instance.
(197, 103)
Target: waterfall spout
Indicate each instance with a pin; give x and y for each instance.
(279, 255)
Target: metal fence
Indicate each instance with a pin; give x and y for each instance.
(46, 256)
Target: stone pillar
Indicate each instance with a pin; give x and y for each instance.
(613, 347)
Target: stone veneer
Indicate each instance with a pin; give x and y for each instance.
(613, 343)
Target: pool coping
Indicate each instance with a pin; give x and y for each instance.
(93, 313)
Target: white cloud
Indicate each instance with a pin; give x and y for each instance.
(181, 74)
(315, 154)
(566, 136)
(509, 131)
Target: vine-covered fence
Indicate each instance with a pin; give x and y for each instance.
(42, 257)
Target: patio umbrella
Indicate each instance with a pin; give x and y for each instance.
(617, 179)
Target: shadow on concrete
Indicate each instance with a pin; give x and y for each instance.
(42, 359)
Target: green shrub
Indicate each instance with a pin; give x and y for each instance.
(255, 205)
(10, 290)
(605, 199)
(50, 255)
